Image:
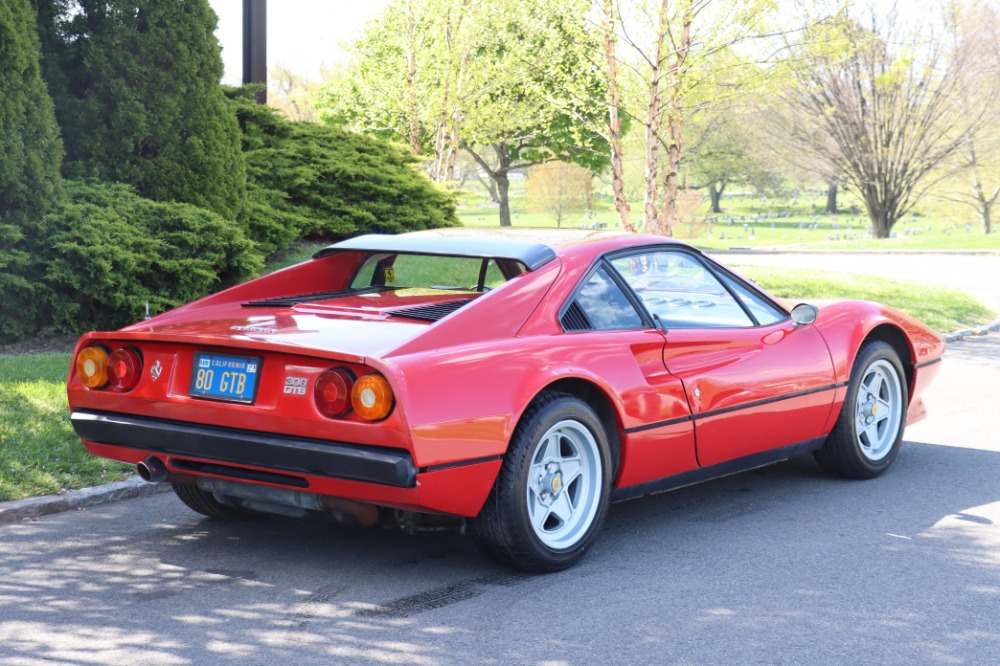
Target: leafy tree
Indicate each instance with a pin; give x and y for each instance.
(136, 88)
(312, 180)
(891, 113)
(30, 151)
(486, 76)
(560, 189)
(976, 165)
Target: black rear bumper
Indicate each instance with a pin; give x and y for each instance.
(340, 460)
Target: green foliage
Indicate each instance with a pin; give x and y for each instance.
(309, 180)
(39, 452)
(136, 88)
(113, 251)
(30, 151)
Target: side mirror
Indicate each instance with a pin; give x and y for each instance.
(804, 314)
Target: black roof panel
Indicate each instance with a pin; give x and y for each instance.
(533, 255)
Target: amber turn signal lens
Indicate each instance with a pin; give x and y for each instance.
(92, 367)
(372, 397)
(332, 392)
(124, 369)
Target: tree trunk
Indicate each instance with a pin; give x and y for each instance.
(503, 188)
(831, 197)
(675, 123)
(411, 78)
(715, 194)
(653, 126)
(613, 96)
(985, 215)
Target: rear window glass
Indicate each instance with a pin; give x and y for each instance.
(421, 271)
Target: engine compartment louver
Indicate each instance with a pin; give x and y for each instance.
(289, 301)
(574, 319)
(431, 312)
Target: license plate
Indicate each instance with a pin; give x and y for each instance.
(224, 377)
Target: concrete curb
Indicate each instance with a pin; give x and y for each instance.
(972, 332)
(78, 500)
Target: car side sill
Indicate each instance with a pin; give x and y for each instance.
(340, 460)
(715, 471)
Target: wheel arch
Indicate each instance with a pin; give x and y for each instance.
(598, 400)
(895, 338)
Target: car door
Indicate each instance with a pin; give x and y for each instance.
(754, 380)
(615, 338)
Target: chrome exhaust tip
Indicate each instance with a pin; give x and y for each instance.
(152, 469)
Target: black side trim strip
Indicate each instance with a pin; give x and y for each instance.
(459, 463)
(767, 401)
(715, 471)
(318, 457)
(924, 364)
(658, 424)
(726, 410)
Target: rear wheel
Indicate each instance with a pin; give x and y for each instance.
(551, 495)
(206, 504)
(869, 431)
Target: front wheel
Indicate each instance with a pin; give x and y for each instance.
(869, 431)
(551, 495)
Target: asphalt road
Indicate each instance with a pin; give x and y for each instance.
(778, 566)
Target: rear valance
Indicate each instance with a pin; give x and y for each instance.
(532, 255)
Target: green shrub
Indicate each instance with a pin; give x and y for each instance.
(30, 151)
(310, 180)
(113, 251)
(137, 95)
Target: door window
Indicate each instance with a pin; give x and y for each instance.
(681, 291)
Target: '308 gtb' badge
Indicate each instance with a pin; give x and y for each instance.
(156, 371)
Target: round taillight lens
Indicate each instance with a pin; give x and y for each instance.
(92, 366)
(124, 369)
(332, 392)
(372, 397)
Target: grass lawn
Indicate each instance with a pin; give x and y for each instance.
(756, 222)
(943, 310)
(39, 452)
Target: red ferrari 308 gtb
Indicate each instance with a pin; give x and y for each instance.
(520, 382)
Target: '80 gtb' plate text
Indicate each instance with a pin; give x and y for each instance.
(224, 377)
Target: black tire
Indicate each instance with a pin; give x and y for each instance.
(530, 483)
(205, 504)
(853, 449)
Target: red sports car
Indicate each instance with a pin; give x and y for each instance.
(519, 382)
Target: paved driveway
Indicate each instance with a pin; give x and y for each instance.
(977, 274)
(778, 566)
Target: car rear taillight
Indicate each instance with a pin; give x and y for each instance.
(372, 397)
(92, 366)
(124, 369)
(332, 392)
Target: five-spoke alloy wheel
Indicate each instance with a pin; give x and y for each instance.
(869, 431)
(551, 495)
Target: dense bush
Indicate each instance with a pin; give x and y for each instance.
(137, 95)
(309, 180)
(30, 151)
(112, 251)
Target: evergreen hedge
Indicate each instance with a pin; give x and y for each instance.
(30, 151)
(313, 181)
(112, 251)
(137, 95)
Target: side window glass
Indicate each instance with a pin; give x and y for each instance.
(762, 310)
(681, 291)
(603, 305)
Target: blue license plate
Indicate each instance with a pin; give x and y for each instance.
(224, 377)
